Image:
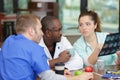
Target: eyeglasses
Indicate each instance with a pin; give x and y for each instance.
(60, 29)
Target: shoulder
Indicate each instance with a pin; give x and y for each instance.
(29, 44)
(79, 41)
(102, 33)
(79, 44)
(101, 36)
(64, 43)
(64, 40)
(41, 43)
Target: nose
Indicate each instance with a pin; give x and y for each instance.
(42, 33)
(60, 32)
(84, 26)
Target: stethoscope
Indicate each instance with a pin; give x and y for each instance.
(87, 46)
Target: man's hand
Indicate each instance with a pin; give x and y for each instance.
(67, 72)
(64, 56)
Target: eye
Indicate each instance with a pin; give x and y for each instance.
(87, 24)
(80, 25)
(60, 29)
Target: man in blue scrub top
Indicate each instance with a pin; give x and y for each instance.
(21, 58)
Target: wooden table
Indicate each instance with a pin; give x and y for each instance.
(97, 77)
(111, 67)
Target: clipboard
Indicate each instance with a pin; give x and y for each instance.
(111, 45)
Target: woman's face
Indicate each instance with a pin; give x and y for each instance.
(86, 26)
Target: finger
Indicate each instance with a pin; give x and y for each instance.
(65, 51)
(90, 75)
(68, 55)
(118, 53)
(67, 72)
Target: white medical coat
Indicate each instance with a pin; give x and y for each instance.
(75, 61)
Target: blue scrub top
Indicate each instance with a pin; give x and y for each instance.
(21, 59)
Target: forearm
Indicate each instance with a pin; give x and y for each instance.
(118, 58)
(92, 59)
(50, 75)
(118, 61)
(53, 61)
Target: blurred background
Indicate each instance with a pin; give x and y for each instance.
(66, 10)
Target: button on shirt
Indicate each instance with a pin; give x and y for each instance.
(21, 59)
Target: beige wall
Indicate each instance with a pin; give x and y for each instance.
(72, 34)
(72, 38)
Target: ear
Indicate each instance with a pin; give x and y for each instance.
(31, 31)
(95, 25)
(48, 33)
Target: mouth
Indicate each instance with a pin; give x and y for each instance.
(59, 39)
(84, 32)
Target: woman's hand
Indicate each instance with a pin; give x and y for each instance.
(118, 58)
(118, 53)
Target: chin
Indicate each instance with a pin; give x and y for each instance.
(85, 34)
(37, 41)
(59, 40)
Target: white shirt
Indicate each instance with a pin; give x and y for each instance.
(75, 61)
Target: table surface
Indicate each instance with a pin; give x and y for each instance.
(110, 67)
(97, 73)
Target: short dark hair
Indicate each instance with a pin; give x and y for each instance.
(47, 22)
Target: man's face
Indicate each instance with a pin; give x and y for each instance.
(38, 32)
(56, 31)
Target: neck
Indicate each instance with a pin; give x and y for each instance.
(48, 42)
(50, 45)
(27, 36)
(91, 38)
